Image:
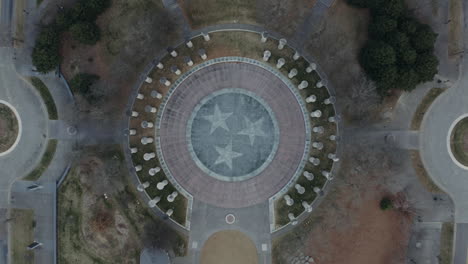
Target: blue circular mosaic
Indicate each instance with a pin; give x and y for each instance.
(232, 134)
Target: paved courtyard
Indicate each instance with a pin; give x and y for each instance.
(239, 124)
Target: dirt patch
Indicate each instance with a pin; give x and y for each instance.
(349, 226)
(370, 236)
(336, 48)
(133, 33)
(229, 247)
(110, 228)
(8, 128)
(272, 14)
(202, 13)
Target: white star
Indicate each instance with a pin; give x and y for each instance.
(253, 129)
(217, 119)
(226, 155)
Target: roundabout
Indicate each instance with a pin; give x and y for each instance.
(457, 141)
(10, 128)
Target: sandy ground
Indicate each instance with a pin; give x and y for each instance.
(229, 247)
(369, 236)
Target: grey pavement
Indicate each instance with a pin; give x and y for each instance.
(34, 125)
(461, 244)
(435, 150)
(44, 215)
(424, 243)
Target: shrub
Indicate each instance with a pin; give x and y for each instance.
(386, 203)
(85, 32)
(82, 82)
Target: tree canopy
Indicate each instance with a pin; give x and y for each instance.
(400, 51)
(85, 32)
(79, 20)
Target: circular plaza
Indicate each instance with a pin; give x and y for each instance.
(233, 128)
(232, 147)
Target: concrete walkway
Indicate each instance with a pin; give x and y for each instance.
(252, 221)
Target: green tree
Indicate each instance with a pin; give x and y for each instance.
(360, 3)
(45, 58)
(408, 25)
(382, 25)
(48, 36)
(407, 56)
(397, 40)
(407, 79)
(426, 66)
(424, 38)
(85, 32)
(392, 8)
(376, 54)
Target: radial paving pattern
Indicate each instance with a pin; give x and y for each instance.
(232, 134)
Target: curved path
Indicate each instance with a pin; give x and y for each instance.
(435, 151)
(34, 124)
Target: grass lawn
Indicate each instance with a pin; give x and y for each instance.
(455, 40)
(209, 12)
(49, 153)
(22, 235)
(459, 141)
(446, 243)
(46, 97)
(19, 20)
(421, 173)
(423, 106)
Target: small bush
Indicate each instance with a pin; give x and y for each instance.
(82, 82)
(386, 203)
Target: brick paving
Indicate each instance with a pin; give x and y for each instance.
(274, 92)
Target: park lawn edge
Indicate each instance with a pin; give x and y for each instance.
(44, 163)
(46, 97)
(423, 106)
